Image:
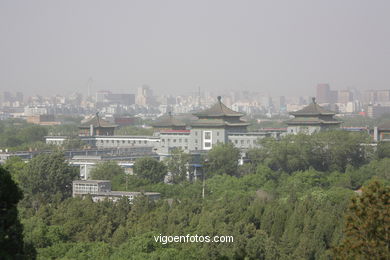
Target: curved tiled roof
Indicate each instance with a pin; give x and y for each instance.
(312, 121)
(312, 109)
(384, 126)
(96, 121)
(217, 110)
(168, 121)
(217, 122)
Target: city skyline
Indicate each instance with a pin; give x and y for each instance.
(280, 48)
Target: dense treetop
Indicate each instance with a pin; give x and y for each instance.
(287, 202)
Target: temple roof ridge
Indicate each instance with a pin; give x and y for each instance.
(96, 121)
(313, 109)
(217, 110)
(168, 120)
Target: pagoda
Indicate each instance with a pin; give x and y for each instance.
(168, 122)
(311, 119)
(220, 116)
(96, 126)
(214, 125)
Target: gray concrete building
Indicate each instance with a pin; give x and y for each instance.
(100, 190)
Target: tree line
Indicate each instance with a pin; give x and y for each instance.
(283, 203)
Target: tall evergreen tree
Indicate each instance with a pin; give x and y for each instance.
(11, 231)
(367, 227)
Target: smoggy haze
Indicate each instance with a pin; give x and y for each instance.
(277, 47)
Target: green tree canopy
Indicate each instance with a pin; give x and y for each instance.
(133, 130)
(15, 165)
(73, 142)
(47, 178)
(110, 170)
(150, 169)
(223, 159)
(11, 237)
(177, 165)
(324, 151)
(383, 150)
(19, 135)
(107, 170)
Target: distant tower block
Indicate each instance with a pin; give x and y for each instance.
(323, 93)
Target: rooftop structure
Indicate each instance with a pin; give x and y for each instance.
(219, 115)
(312, 118)
(381, 132)
(100, 190)
(90, 187)
(217, 124)
(168, 122)
(214, 126)
(96, 126)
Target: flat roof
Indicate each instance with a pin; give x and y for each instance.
(125, 193)
(90, 181)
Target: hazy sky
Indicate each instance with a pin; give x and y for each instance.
(174, 46)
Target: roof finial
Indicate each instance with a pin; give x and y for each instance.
(97, 118)
(219, 99)
(314, 100)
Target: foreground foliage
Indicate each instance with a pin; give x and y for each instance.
(367, 227)
(11, 238)
(280, 205)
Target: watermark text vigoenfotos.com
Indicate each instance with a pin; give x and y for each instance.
(193, 239)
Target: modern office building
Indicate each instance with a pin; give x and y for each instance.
(323, 93)
(344, 96)
(326, 95)
(375, 111)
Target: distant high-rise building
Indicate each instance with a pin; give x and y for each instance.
(383, 96)
(344, 96)
(279, 103)
(369, 96)
(326, 95)
(333, 96)
(323, 93)
(122, 99)
(19, 97)
(376, 96)
(144, 96)
(101, 96)
(375, 111)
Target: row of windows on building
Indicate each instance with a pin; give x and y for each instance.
(174, 140)
(206, 133)
(242, 142)
(123, 141)
(179, 146)
(85, 188)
